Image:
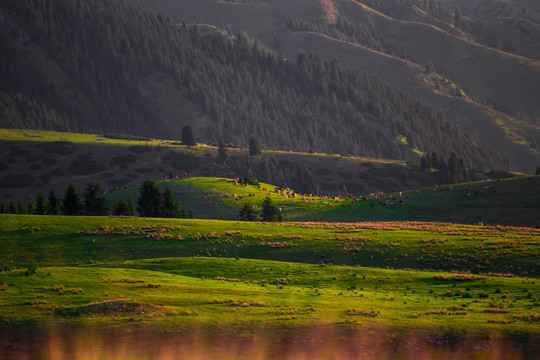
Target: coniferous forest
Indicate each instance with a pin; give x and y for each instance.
(97, 52)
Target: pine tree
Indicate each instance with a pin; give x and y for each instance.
(20, 207)
(247, 213)
(120, 208)
(31, 207)
(171, 209)
(254, 146)
(270, 212)
(53, 205)
(124, 208)
(41, 205)
(12, 207)
(434, 161)
(131, 210)
(149, 203)
(222, 153)
(72, 203)
(188, 136)
(94, 205)
(443, 167)
(424, 163)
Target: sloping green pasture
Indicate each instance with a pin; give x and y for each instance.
(169, 273)
(514, 201)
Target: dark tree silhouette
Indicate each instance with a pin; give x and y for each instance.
(247, 213)
(72, 202)
(188, 136)
(93, 204)
(254, 146)
(171, 209)
(124, 208)
(222, 153)
(41, 205)
(53, 205)
(31, 208)
(150, 201)
(270, 212)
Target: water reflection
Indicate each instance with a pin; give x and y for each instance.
(299, 343)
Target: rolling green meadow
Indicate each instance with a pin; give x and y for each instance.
(167, 273)
(443, 271)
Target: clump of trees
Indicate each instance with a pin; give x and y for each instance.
(154, 203)
(269, 212)
(151, 203)
(453, 169)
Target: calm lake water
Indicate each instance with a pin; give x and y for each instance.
(304, 343)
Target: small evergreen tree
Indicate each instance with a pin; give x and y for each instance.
(434, 161)
(41, 205)
(124, 208)
(120, 208)
(188, 136)
(20, 207)
(222, 153)
(424, 163)
(12, 207)
(31, 207)
(247, 213)
(2, 208)
(93, 204)
(171, 209)
(53, 206)
(72, 204)
(131, 209)
(254, 146)
(270, 212)
(149, 203)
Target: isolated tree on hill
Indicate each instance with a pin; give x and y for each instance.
(171, 209)
(188, 136)
(93, 203)
(149, 203)
(222, 153)
(270, 212)
(424, 163)
(53, 206)
(72, 203)
(247, 213)
(41, 205)
(254, 146)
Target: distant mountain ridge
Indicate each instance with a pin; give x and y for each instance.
(102, 66)
(489, 93)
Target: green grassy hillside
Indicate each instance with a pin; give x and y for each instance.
(38, 161)
(120, 270)
(505, 202)
(60, 240)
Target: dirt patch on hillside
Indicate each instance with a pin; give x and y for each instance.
(115, 307)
